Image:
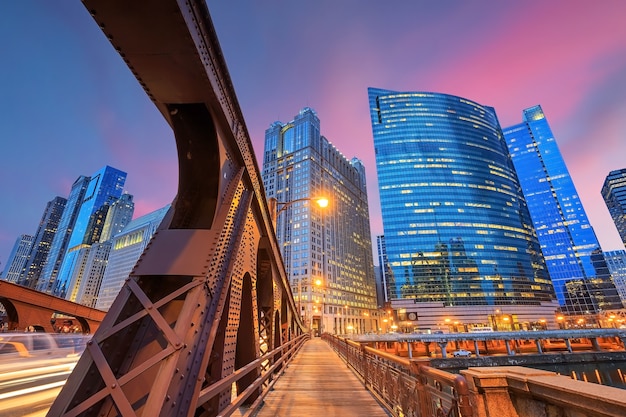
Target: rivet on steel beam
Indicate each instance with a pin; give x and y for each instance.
(113, 386)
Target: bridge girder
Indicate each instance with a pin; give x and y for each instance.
(26, 307)
(209, 295)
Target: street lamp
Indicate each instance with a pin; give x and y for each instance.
(277, 207)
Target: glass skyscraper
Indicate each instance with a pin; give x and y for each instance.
(573, 257)
(104, 188)
(61, 238)
(327, 252)
(46, 231)
(616, 261)
(614, 195)
(458, 234)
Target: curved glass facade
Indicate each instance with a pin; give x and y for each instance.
(457, 228)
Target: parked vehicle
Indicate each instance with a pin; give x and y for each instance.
(461, 353)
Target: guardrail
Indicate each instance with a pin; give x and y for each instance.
(405, 387)
(273, 365)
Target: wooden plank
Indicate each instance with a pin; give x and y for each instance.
(318, 383)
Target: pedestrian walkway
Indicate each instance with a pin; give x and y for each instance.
(318, 383)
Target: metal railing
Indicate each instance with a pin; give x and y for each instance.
(277, 360)
(403, 386)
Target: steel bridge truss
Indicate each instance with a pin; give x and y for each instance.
(207, 309)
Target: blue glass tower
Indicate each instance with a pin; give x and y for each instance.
(457, 229)
(614, 195)
(104, 187)
(58, 249)
(568, 242)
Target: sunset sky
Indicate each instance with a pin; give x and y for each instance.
(70, 105)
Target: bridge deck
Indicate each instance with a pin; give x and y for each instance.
(318, 383)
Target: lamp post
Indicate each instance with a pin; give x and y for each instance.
(276, 207)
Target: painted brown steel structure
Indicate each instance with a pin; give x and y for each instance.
(209, 295)
(26, 307)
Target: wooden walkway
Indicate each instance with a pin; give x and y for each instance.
(318, 383)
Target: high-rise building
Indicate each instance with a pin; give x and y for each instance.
(459, 240)
(327, 252)
(87, 274)
(118, 216)
(614, 195)
(61, 238)
(126, 248)
(18, 259)
(46, 231)
(87, 286)
(104, 188)
(385, 269)
(616, 262)
(568, 242)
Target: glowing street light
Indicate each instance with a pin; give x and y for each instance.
(277, 207)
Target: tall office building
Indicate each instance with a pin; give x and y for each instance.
(385, 269)
(48, 226)
(18, 258)
(61, 238)
(569, 245)
(87, 274)
(119, 215)
(459, 241)
(614, 195)
(327, 252)
(104, 188)
(88, 283)
(126, 248)
(616, 262)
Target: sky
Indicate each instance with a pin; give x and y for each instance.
(70, 105)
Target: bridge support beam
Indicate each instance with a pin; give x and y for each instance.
(476, 349)
(443, 347)
(595, 344)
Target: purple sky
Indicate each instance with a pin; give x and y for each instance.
(70, 105)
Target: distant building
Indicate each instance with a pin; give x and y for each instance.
(119, 215)
(459, 241)
(18, 258)
(47, 230)
(109, 219)
(568, 242)
(126, 248)
(89, 281)
(104, 188)
(327, 252)
(385, 270)
(59, 245)
(614, 195)
(616, 262)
